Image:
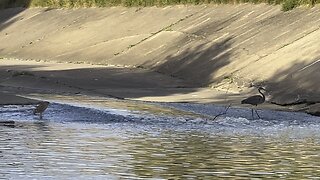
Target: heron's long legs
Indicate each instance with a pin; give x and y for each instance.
(252, 114)
(257, 114)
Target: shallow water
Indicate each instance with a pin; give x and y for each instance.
(86, 143)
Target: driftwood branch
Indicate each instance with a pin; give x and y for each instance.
(226, 110)
(7, 123)
(223, 113)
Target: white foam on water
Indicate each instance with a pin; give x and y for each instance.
(273, 123)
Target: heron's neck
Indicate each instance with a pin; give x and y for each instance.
(263, 96)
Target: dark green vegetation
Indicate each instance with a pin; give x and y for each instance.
(286, 4)
(290, 4)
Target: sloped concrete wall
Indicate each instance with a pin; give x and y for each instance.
(220, 46)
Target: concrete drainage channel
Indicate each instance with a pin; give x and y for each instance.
(172, 116)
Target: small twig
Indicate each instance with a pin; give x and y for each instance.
(225, 112)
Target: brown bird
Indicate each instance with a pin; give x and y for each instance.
(41, 107)
(255, 100)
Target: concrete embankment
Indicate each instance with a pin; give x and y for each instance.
(228, 47)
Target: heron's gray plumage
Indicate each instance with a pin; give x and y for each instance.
(255, 100)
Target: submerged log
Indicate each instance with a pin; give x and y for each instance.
(10, 124)
(6, 122)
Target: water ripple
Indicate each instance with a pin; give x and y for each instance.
(84, 143)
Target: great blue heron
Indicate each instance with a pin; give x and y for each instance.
(40, 108)
(255, 100)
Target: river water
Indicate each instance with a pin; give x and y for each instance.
(87, 142)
